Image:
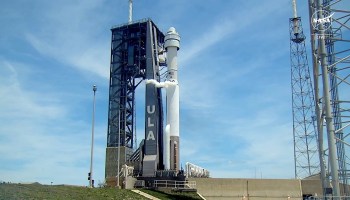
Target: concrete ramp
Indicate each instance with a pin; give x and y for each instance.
(248, 189)
(148, 196)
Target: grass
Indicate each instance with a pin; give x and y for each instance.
(60, 192)
(173, 195)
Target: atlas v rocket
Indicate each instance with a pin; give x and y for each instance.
(172, 133)
(171, 142)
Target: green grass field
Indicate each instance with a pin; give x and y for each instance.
(37, 191)
(61, 192)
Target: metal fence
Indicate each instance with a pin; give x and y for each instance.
(174, 184)
(330, 198)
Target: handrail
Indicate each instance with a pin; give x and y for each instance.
(174, 184)
(133, 22)
(328, 198)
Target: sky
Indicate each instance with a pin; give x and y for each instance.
(234, 76)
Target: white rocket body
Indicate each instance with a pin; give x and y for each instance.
(172, 45)
(166, 146)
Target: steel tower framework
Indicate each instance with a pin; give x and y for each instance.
(305, 138)
(133, 59)
(330, 37)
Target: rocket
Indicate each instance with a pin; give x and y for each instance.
(172, 132)
(171, 138)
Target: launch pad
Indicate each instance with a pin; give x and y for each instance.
(139, 49)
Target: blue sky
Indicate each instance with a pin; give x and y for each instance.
(234, 74)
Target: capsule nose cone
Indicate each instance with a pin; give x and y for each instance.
(171, 30)
(172, 39)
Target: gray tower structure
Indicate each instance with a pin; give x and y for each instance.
(305, 137)
(134, 57)
(329, 25)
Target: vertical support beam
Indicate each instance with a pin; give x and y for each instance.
(319, 119)
(327, 105)
(336, 27)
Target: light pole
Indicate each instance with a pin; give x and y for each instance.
(91, 182)
(118, 186)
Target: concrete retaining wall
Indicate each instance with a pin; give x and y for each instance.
(311, 187)
(249, 189)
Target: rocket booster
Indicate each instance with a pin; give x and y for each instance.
(172, 45)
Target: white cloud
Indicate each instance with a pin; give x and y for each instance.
(68, 37)
(77, 53)
(209, 66)
(40, 140)
(215, 34)
(20, 102)
(239, 146)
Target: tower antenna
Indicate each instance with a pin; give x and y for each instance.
(130, 11)
(294, 4)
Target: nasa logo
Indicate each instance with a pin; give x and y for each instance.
(325, 22)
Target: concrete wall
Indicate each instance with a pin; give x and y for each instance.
(128, 183)
(112, 163)
(311, 187)
(249, 189)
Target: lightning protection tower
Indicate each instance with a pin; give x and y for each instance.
(330, 42)
(305, 138)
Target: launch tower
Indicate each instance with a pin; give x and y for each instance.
(134, 57)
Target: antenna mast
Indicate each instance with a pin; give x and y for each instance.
(295, 14)
(130, 11)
